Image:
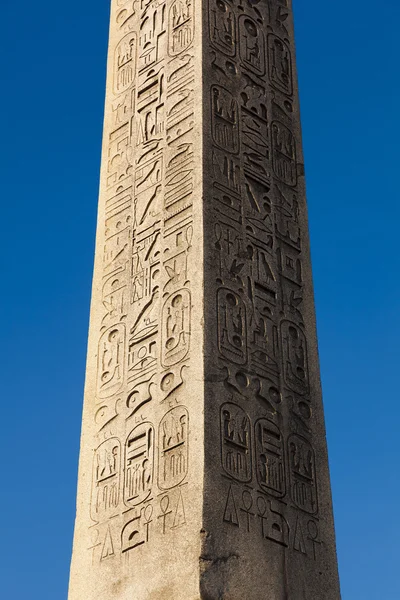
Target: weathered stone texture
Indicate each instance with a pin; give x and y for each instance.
(203, 470)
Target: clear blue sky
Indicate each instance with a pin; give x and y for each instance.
(52, 69)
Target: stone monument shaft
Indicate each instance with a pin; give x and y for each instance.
(203, 470)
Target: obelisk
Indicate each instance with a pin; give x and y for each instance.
(203, 469)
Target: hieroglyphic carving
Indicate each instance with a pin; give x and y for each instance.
(236, 442)
(295, 361)
(144, 342)
(225, 117)
(152, 34)
(222, 25)
(176, 328)
(302, 473)
(270, 457)
(106, 479)
(179, 178)
(254, 514)
(252, 45)
(180, 26)
(284, 153)
(139, 464)
(125, 63)
(232, 327)
(280, 64)
(172, 511)
(173, 448)
(111, 359)
(258, 265)
(125, 14)
(136, 532)
(274, 525)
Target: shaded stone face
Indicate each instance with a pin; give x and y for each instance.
(203, 469)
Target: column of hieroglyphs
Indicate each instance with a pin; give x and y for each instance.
(137, 447)
(271, 501)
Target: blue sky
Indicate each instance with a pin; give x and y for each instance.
(52, 65)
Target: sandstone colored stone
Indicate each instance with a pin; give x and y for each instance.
(203, 470)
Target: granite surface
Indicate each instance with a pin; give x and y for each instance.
(203, 470)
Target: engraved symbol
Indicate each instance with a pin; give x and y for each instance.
(173, 444)
(274, 526)
(225, 126)
(264, 334)
(232, 326)
(179, 178)
(300, 413)
(151, 110)
(136, 532)
(145, 267)
(235, 442)
(124, 63)
(179, 517)
(313, 533)
(115, 253)
(149, 169)
(171, 381)
(247, 501)
(164, 506)
(105, 414)
(228, 244)
(251, 387)
(120, 155)
(176, 328)
(108, 546)
(182, 73)
(181, 26)
(226, 171)
(124, 18)
(222, 23)
(139, 464)
(298, 542)
(227, 203)
(94, 536)
(176, 268)
(270, 457)
(117, 205)
(254, 104)
(284, 153)
(252, 45)
(295, 362)
(281, 15)
(142, 357)
(286, 203)
(255, 135)
(280, 64)
(302, 474)
(110, 375)
(230, 513)
(289, 261)
(123, 109)
(140, 396)
(152, 30)
(106, 479)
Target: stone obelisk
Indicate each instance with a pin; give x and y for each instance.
(203, 470)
